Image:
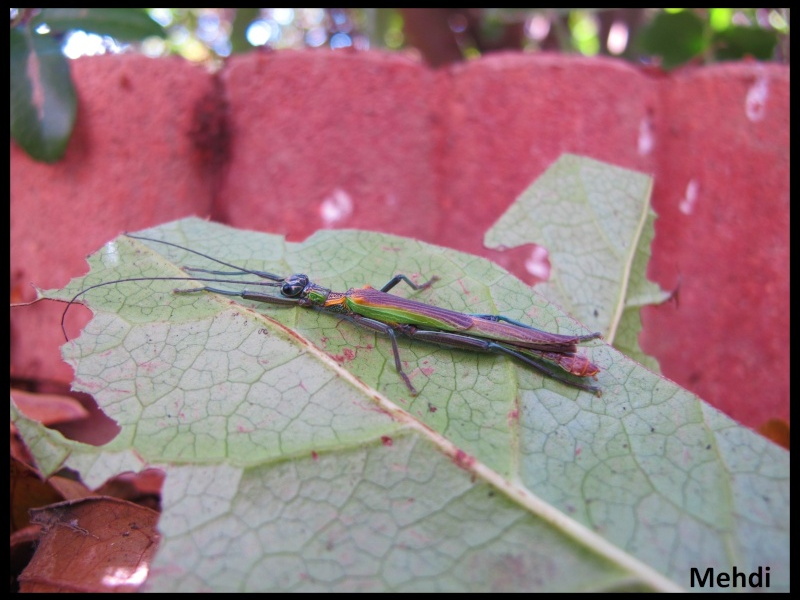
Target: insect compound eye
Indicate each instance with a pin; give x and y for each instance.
(294, 286)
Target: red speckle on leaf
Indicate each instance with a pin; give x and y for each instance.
(347, 355)
(513, 416)
(386, 440)
(464, 460)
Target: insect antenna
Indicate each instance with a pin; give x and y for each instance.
(205, 279)
(238, 269)
(275, 280)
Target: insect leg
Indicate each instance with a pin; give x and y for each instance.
(556, 373)
(389, 331)
(398, 278)
(466, 342)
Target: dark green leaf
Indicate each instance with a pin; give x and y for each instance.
(675, 37)
(128, 24)
(737, 42)
(243, 19)
(43, 100)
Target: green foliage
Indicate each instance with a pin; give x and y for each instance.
(125, 24)
(739, 42)
(42, 95)
(679, 37)
(675, 37)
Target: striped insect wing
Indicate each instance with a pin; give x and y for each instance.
(526, 337)
(389, 308)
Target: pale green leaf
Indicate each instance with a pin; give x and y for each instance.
(596, 222)
(295, 458)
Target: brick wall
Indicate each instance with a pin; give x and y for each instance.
(290, 142)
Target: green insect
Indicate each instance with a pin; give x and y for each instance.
(550, 353)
